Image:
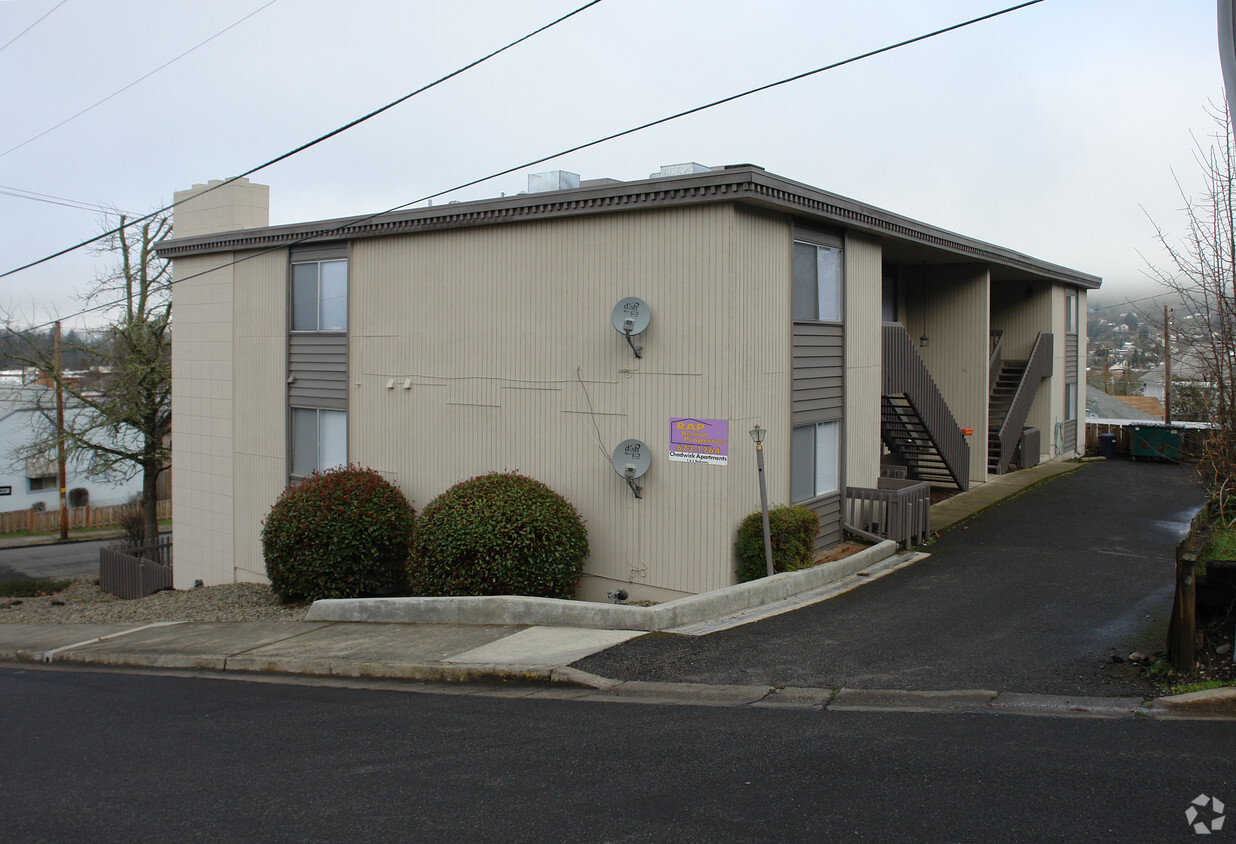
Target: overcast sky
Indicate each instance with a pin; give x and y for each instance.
(1047, 130)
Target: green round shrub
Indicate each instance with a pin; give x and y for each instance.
(793, 531)
(344, 533)
(498, 534)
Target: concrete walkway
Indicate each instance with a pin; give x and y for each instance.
(521, 650)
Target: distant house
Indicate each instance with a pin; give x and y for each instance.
(438, 343)
(1188, 369)
(28, 480)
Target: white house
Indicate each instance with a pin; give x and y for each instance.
(29, 481)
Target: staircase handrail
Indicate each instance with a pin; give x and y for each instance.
(904, 372)
(1038, 367)
(996, 360)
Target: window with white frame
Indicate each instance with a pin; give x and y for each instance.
(817, 281)
(1070, 313)
(815, 460)
(319, 440)
(320, 296)
(1070, 401)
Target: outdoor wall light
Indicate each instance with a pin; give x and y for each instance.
(757, 437)
(924, 341)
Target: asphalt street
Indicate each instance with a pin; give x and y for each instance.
(1034, 595)
(69, 559)
(119, 757)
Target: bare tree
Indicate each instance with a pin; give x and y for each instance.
(1201, 271)
(121, 419)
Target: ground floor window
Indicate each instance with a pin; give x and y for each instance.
(1070, 401)
(319, 440)
(815, 460)
(42, 482)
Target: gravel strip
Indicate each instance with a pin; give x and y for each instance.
(84, 603)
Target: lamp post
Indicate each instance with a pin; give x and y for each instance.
(757, 436)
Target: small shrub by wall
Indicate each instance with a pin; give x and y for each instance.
(793, 531)
(498, 534)
(344, 533)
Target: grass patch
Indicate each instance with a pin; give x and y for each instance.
(1185, 688)
(77, 531)
(24, 587)
(1221, 545)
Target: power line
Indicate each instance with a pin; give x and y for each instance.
(318, 140)
(357, 220)
(6, 44)
(136, 81)
(51, 199)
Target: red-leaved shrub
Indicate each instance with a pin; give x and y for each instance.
(344, 533)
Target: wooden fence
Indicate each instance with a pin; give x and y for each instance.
(131, 570)
(31, 521)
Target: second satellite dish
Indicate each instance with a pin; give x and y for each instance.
(631, 460)
(631, 317)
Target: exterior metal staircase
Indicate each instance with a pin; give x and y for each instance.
(916, 424)
(1008, 379)
(1013, 385)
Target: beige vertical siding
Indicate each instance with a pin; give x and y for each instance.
(1055, 390)
(1083, 341)
(863, 349)
(954, 316)
(505, 334)
(202, 375)
(260, 403)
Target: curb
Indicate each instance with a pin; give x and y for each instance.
(1210, 704)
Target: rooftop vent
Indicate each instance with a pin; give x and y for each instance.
(553, 180)
(680, 170)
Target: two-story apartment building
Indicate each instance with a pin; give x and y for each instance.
(439, 343)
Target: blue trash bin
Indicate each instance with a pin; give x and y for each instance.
(1107, 446)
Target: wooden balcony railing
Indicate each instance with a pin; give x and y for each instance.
(899, 510)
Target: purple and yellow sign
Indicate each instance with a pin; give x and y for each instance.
(699, 440)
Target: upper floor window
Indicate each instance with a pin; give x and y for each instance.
(320, 296)
(1070, 313)
(817, 276)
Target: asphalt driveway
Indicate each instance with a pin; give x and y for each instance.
(1033, 595)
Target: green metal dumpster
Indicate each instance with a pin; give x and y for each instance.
(1154, 441)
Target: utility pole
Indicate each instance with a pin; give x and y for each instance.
(60, 461)
(1167, 369)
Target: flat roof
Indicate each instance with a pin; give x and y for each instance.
(905, 240)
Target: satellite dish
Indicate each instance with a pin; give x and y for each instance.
(631, 459)
(631, 316)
